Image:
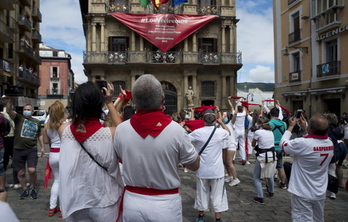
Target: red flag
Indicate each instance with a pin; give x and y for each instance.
(203, 108)
(285, 110)
(48, 174)
(235, 97)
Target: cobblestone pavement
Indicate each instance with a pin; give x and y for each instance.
(241, 205)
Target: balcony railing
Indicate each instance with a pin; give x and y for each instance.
(170, 57)
(28, 76)
(329, 69)
(24, 22)
(295, 36)
(36, 36)
(6, 34)
(208, 10)
(118, 7)
(54, 91)
(29, 52)
(36, 14)
(295, 76)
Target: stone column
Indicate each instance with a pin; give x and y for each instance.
(185, 45)
(232, 39)
(141, 43)
(194, 87)
(102, 37)
(223, 91)
(132, 41)
(223, 39)
(94, 36)
(194, 42)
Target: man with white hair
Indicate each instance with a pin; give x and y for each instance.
(151, 146)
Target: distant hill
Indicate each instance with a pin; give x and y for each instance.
(245, 86)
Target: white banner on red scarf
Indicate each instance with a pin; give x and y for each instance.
(163, 30)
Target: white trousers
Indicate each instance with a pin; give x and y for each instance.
(213, 190)
(304, 210)
(141, 208)
(96, 214)
(54, 164)
(240, 138)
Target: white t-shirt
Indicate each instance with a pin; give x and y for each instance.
(309, 173)
(211, 165)
(239, 123)
(152, 162)
(265, 140)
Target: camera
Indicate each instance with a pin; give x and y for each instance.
(298, 113)
(102, 83)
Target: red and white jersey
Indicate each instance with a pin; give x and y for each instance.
(309, 173)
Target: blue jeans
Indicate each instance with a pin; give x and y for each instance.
(257, 181)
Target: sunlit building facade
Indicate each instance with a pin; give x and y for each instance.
(204, 59)
(311, 68)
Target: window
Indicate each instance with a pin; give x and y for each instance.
(118, 44)
(295, 74)
(207, 2)
(207, 44)
(207, 89)
(327, 13)
(54, 72)
(117, 85)
(331, 51)
(54, 88)
(295, 28)
(55, 54)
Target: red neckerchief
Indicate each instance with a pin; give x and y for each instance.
(82, 131)
(317, 136)
(194, 124)
(149, 122)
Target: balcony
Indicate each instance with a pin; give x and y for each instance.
(54, 91)
(24, 22)
(36, 36)
(208, 10)
(28, 52)
(29, 77)
(295, 76)
(118, 7)
(329, 69)
(7, 4)
(170, 57)
(295, 36)
(25, 2)
(6, 34)
(36, 14)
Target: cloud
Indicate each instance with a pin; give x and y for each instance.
(61, 28)
(255, 39)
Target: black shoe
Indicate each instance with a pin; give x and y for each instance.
(269, 193)
(258, 200)
(33, 193)
(24, 194)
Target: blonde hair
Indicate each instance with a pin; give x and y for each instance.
(57, 115)
(263, 121)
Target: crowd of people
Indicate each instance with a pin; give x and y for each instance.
(135, 149)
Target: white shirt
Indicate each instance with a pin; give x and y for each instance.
(152, 161)
(309, 173)
(265, 140)
(240, 119)
(211, 165)
(82, 182)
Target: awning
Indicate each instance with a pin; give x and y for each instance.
(339, 89)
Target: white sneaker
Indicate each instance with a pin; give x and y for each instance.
(228, 179)
(332, 196)
(17, 186)
(185, 170)
(8, 185)
(234, 182)
(247, 162)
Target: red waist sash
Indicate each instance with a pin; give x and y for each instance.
(55, 150)
(151, 191)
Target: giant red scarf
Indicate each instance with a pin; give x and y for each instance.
(84, 129)
(149, 122)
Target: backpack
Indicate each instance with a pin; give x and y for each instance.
(6, 130)
(339, 151)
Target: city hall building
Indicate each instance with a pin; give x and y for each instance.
(190, 48)
(311, 42)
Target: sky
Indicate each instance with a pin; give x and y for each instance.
(61, 28)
